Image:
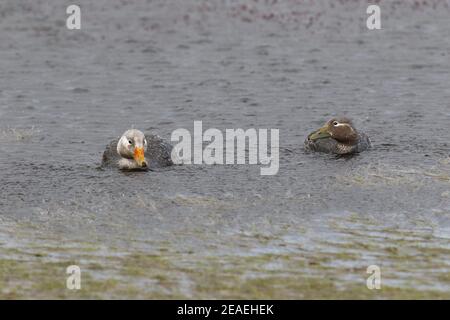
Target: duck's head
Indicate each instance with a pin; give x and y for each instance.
(340, 129)
(132, 145)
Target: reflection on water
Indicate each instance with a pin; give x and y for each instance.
(224, 231)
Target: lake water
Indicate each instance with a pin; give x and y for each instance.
(220, 231)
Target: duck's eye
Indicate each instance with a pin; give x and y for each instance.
(130, 141)
(335, 123)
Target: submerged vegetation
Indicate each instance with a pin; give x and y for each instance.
(414, 266)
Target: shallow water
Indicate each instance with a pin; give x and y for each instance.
(224, 231)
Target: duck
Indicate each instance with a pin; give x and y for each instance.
(338, 136)
(135, 150)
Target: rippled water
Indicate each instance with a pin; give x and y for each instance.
(224, 231)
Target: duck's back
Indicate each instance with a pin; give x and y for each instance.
(110, 157)
(158, 153)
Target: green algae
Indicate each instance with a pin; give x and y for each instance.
(174, 275)
(414, 265)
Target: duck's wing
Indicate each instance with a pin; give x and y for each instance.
(158, 152)
(110, 157)
(364, 142)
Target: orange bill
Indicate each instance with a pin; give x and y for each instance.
(139, 156)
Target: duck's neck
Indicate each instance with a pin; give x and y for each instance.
(128, 164)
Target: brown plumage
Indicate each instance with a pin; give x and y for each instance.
(338, 136)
